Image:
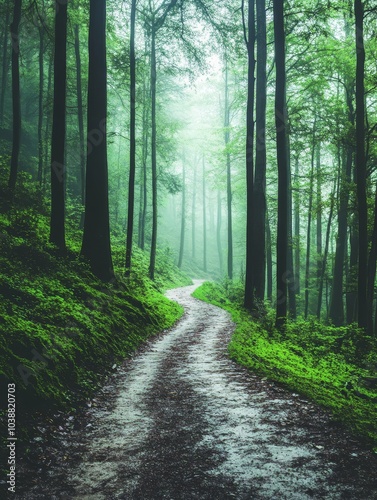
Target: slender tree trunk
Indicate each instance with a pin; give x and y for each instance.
(57, 225)
(249, 274)
(143, 188)
(131, 183)
(319, 214)
(372, 272)
(193, 216)
(96, 239)
(145, 158)
(352, 272)
(152, 261)
(291, 282)
(309, 232)
(48, 122)
(40, 104)
(324, 258)
(204, 220)
(260, 155)
(228, 175)
(269, 261)
(361, 166)
(218, 233)
(80, 111)
(4, 67)
(281, 121)
(183, 217)
(297, 226)
(16, 97)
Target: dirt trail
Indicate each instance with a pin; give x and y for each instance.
(182, 421)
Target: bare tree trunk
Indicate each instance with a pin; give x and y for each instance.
(361, 167)
(96, 239)
(269, 261)
(183, 217)
(16, 97)
(297, 226)
(204, 220)
(193, 216)
(260, 155)
(218, 233)
(309, 231)
(152, 261)
(48, 115)
(228, 175)
(40, 104)
(58, 174)
(324, 258)
(249, 274)
(372, 272)
(319, 215)
(131, 183)
(5, 66)
(80, 111)
(281, 121)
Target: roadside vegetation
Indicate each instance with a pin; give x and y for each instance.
(330, 365)
(62, 329)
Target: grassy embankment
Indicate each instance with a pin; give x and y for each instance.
(61, 329)
(329, 365)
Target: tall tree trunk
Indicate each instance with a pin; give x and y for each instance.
(131, 183)
(152, 261)
(218, 233)
(40, 104)
(309, 232)
(143, 188)
(48, 122)
(183, 217)
(228, 175)
(319, 214)
(324, 258)
(16, 97)
(204, 220)
(249, 274)
(281, 121)
(80, 111)
(361, 166)
(193, 216)
(297, 226)
(144, 158)
(291, 282)
(260, 155)
(4, 66)
(372, 272)
(351, 299)
(269, 260)
(57, 224)
(96, 239)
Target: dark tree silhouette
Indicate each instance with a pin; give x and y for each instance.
(16, 97)
(131, 183)
(57, 224)
(96, 240)
(281, 120)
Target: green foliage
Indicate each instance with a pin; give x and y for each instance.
(61, 329)
(330, 365)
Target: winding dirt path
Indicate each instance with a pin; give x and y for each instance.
(182, 421)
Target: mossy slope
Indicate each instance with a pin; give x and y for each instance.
(330, 365)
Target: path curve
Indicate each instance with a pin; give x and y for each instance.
(182, 421)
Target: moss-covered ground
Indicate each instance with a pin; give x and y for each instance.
(61, 329)
(335, 367)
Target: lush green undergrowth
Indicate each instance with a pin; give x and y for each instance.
(335, 367)
(61, 329)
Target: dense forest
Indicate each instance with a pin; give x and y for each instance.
(143, 142)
